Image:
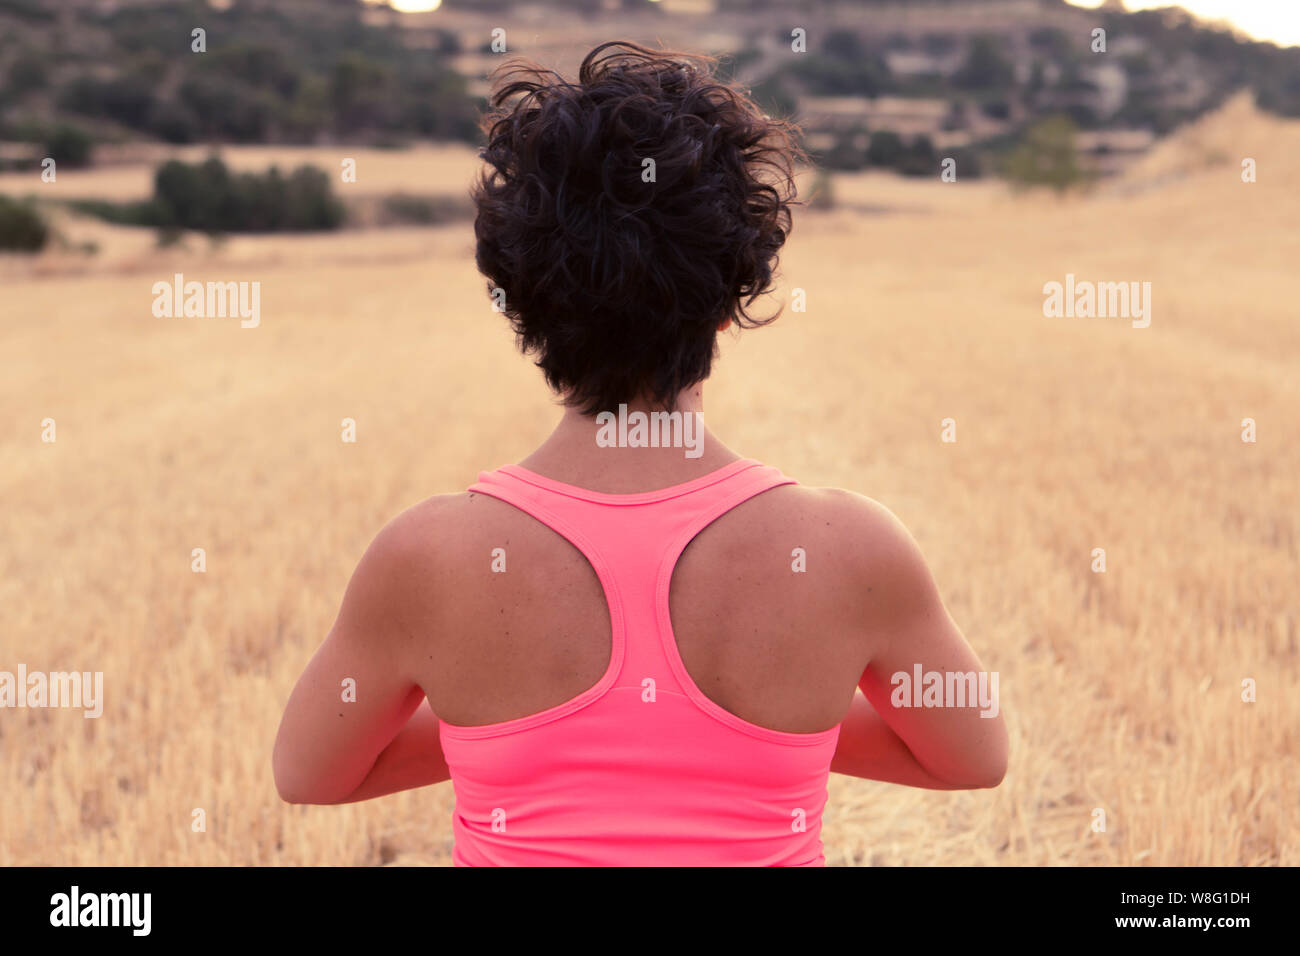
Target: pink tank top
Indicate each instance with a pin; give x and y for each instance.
(641, 769)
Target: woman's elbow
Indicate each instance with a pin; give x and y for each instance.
(989, 777)
(292, 795)
(300, 795)
(291, 787)
(988, 768)
(993, 769)
(288, 790)
(985, 777)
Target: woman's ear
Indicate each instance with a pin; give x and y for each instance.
(723, 326)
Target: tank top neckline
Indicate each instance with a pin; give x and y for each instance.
(631, 498)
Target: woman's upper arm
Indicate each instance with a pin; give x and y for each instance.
(357, 692)
(922, 677)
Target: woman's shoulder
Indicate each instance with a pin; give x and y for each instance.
(856, 532)
(841, 524)
(859, 534)
(435, 524)
(841, 508)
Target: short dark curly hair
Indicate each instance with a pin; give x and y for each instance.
(618, 273)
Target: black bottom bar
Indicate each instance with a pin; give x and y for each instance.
(973, 906)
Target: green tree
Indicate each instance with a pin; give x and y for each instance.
(21, 227)
(985, 68)
(919, 159)
(69, 145)
(822, 195)
(1046, 156)
(208, 198)
(27, 73)
(886, 148)
(846, 153)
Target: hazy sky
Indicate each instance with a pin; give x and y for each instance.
(1276, 20)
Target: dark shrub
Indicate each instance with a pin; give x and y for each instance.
(69, 145)
(21, 227)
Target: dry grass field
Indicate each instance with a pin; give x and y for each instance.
(1123, 690)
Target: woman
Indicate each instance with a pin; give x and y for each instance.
(635, 646)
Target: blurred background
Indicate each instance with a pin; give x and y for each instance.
(965, 153)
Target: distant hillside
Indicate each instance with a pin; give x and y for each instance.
(1215, 146)
(898, 84)
(875, 83)
(296, 71)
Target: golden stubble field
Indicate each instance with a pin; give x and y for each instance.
(1123, 690)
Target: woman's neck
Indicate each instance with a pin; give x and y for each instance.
(638, 446)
